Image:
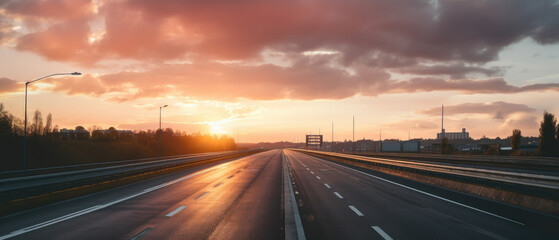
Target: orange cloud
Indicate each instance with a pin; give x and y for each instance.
(447, 40)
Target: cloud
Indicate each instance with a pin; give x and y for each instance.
(467, 86)
(473, 31)
(521, 121)
(498, 110)
(220, 45)
(7, 85)
(455, 71)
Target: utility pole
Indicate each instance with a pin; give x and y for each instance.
(353, 141)
(443, 135)
(332, 146)
(160, 131)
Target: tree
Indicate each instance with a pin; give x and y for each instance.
(445, 147)
(515, 139)
(37, 127)
(5, 122)
(113, 133)
(548, 139)
(48, 125)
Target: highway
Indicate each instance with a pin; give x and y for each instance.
(243, 198)
(237, 199)
(337, 202)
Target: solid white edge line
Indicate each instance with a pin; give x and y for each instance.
(175, 211)
(142, 233)
(381, 233)
(95, 208)
(339, 195)
(433, 195)
(328, 186)
(356, 211)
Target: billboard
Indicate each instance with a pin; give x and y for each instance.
(314, 141)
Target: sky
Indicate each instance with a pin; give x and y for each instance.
(268, 70)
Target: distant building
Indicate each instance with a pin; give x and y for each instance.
(80, 134)
(454, 135)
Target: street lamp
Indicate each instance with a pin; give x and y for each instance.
(160, 130)
(25, 123)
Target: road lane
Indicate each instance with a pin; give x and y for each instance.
(401, 213)
(239, 198)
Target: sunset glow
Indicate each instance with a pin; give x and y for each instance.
(283, 69)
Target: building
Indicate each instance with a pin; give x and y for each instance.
(80, 134)
(454, 135)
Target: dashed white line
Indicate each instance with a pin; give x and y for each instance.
(308, 169)
(381, 233)
(318, 177)
(433, 195)
(97, 207)
(175, 211)
(201, 195)
(339, 195)
(312, 172)
(328, 186)
(356, 211)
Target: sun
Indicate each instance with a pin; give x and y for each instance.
(217, 129)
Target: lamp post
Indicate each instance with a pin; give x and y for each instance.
(25, 122)
(160, 130)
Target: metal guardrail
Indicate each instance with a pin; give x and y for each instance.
(526, 179)
(43, 182)
(34, 171)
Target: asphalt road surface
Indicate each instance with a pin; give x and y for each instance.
(337, 202)
(243, 199)
(238, 199)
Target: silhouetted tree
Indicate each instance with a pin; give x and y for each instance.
(48, 125)
(113, 133)
(37, 127)
(515, 139)
(548, 135)
(5, 122)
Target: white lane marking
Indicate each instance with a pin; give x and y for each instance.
(318, 177)
(381, 233)
(175, 211)
(201, 195)
(433, 195)
(95, 208)
(356, 210)
(339, 195)
(142, 233)
(328, 186)
(312, 172)
(308, 169)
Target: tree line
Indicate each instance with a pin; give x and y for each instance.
(50, 146)
(548, 138)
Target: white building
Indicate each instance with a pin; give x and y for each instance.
(454, 135)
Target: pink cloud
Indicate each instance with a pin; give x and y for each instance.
(498, 110)
(8, 85)
(369, 39)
